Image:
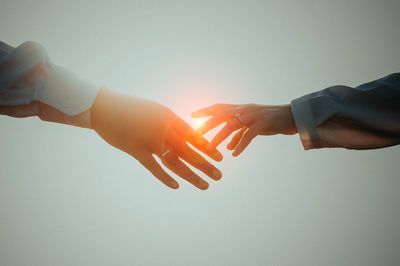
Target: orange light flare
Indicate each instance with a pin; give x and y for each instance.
(185, 109)
(197, 122)
(190, 100)
(189, 95)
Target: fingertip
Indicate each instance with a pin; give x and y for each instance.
(213, 153)
(174, 185)
(216, 174)
(217, 156)
(204, 185)
(236, 153)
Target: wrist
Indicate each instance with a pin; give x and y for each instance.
(288, 126)
(101, 107)
(113, 112)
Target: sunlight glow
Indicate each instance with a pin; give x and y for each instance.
(197, 122)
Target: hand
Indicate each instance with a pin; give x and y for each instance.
(250, 119)
(142, 128)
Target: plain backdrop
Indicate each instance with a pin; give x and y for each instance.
(68, 198)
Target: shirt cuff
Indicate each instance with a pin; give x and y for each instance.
(67, 93)
(304, 119)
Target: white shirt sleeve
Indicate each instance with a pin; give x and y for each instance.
(31, 85)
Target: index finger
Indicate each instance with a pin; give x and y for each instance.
(211, 110)
(148, 161)
(182, 149)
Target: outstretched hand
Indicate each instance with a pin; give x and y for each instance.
(142, 128)
(250, 120)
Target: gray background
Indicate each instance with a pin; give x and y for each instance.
(67, 198)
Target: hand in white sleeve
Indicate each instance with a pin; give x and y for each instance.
(30, 85)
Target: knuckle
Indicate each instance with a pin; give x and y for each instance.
(233, 124)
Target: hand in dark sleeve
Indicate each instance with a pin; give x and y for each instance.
(364, 117)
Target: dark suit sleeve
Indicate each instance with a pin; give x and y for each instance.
(364, 117)
(5, 49)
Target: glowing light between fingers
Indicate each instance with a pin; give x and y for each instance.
(197, 122)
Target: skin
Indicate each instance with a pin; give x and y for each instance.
(254, 120)
(143, 128)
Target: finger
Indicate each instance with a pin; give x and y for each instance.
(211, 110)
(187, 133)
(246, 119)
(173, 163)
(211, 123)
(247, 137)
(148, 161)
(234, 141)
(192, 157)
(197, 161)
(228, 129)
(217, 119)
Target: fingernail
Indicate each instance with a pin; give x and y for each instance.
(174, 185)
(204, 185)
(217, 156)
(216, 174)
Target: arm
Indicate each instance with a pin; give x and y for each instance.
(30, 85)
(365, 117)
